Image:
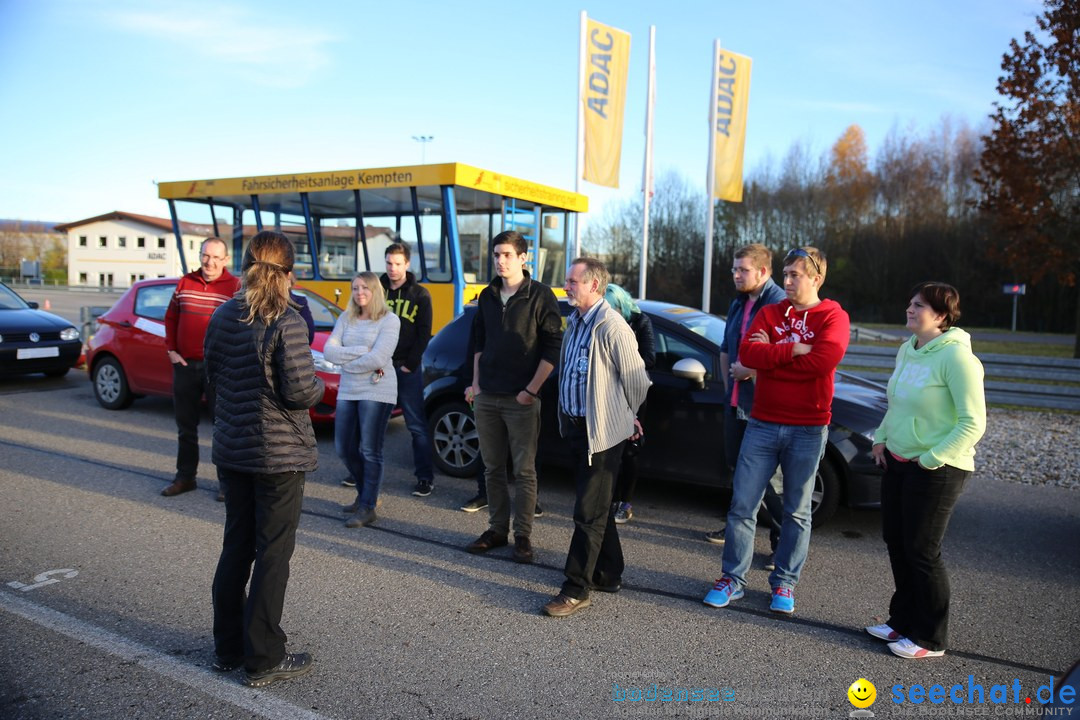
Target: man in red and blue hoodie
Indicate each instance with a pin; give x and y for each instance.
(795, 346)
(197, 296)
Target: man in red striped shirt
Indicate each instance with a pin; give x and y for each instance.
(197, 296)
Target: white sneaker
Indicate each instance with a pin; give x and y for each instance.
(907, 649)
(884, 632)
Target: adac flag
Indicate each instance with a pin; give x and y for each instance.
(607, 53)
(731, 95)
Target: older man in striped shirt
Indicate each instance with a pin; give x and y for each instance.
(602, 384)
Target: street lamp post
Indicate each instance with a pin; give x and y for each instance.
(423, 140)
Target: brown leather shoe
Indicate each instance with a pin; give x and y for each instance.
(487, 541)
(563, 605)
(523, 552)
(179, 486)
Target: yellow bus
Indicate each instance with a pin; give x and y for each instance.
(341, 222)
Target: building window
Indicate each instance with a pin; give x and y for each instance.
(190, 244)
(132, 278)
(102, 241)
(121, 242)
(161, 242)
(82, 276)
(161, 275)
(140, 242)
(82, 241)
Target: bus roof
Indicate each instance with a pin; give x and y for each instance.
(238, 190)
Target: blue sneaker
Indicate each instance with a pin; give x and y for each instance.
(722, 593)
(782, 601)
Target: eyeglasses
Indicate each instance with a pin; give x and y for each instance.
(207, 258)
(800, 253)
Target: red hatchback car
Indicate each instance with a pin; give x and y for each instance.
(126, 355)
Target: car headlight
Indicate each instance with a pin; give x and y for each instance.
(69, 334)
(324, 365)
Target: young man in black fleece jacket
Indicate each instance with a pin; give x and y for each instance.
(412, 304)
(517, 333)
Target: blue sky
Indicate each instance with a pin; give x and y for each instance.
(103, 97)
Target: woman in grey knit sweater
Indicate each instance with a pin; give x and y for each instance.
(363, 344)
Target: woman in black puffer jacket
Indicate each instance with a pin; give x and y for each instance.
(259, 364)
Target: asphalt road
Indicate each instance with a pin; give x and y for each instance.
(113, 617)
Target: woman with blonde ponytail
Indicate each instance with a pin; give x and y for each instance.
(363, 344)
(259, 363)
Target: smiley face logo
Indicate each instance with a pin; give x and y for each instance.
(862, 693)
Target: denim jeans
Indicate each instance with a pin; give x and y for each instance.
(798, 450)
(359, 430)
(262, 513)
(410, 395)
(916, 505)
(504, 428)
(189, 384)
(734, 430)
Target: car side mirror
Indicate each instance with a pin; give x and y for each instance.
(33, 305)
(690, 369)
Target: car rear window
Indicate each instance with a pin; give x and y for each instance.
(152, 301)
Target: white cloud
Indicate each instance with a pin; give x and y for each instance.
(270, 51)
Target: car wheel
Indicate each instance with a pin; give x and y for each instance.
(826, 495)
(111, 386)
(455, 443)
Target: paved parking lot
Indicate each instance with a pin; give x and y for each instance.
(113, 614)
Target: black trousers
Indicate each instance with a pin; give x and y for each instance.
(916, 505)
(262, 513)
(189, 385)
(595, 556)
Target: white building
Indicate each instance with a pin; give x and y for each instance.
(118, 248)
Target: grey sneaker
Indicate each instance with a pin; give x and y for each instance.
(624, 513)
(477, 503)
(423, 488)
(362, 517)
(293, 665)
(717, 536)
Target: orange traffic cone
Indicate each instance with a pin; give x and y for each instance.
(48, 305)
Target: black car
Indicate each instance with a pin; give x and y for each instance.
(32, 340)
(684, 422)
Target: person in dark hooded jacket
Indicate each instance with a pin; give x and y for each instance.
(259, 364)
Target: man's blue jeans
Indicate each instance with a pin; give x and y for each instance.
(798, 450)
(410, 395)
(359, 430)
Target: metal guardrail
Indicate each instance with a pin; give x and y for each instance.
(1059, 391)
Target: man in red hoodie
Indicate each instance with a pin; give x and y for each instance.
(795, 346)
(197, 296)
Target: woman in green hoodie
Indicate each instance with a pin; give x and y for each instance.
(926, 444)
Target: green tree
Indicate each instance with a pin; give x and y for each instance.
(1030, 170)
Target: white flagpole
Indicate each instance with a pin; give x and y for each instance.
(580, 131)
(710, 182)
(648, 184)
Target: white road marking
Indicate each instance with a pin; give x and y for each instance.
(206, 681)
(43, 579)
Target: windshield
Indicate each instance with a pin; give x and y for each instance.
(709, 327)
(323, 312)
(10, 301)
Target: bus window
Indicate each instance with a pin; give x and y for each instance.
(436, 248)
(338, 248)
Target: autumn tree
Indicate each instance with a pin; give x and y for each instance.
(1030, 170)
